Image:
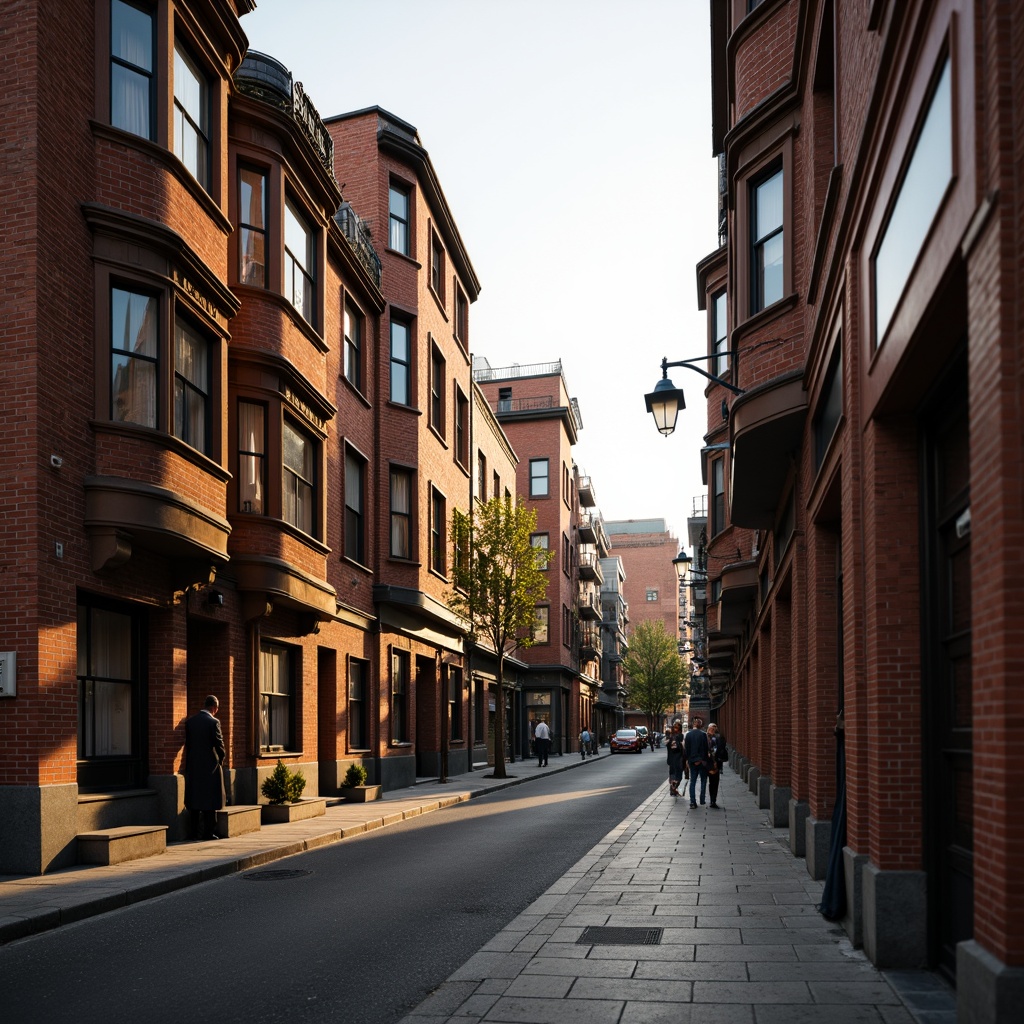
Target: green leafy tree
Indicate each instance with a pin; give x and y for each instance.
(655, 671)
(499, 581)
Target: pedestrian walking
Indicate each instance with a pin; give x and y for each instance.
(542, 743)
(718, 754)
(202, 763)
(584, 742)
(695, 745)
(674, 752)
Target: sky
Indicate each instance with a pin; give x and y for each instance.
(572, 140)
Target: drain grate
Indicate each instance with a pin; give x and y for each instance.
(274, 876)
(600, 936)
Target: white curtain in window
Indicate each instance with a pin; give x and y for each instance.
(250, 457)
(131, 42)
(401, 498)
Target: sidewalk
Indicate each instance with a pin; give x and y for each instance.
(683, 916)
(35, 903)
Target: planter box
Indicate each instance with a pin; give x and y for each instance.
(360, 794)
(276, 814)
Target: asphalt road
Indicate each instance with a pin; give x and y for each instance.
(356, 933)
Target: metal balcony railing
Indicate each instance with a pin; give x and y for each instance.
(358, 235)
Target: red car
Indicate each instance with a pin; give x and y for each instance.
(626, 740)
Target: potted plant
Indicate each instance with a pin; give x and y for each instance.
(283, 789)
(354, 787)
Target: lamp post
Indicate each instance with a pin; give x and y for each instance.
(665, 401)
(700, 698)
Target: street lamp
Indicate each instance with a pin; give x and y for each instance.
(665, 401)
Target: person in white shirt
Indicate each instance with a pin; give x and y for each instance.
(542, 743)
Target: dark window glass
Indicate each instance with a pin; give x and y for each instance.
(191, 388)
(398, 219)
(134, 357)
(355, 500)
(768, 238)
(131, 69)
(358, 707)
(400, 360)
(252, 227)
(353, 346)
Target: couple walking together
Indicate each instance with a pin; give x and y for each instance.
(698, 754)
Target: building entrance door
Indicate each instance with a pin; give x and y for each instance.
(947, 676)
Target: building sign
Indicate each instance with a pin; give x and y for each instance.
(539, 698)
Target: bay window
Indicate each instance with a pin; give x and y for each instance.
(132, 82)
(298, 484)
(191, 117)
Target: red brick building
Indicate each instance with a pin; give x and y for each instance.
(865, 512)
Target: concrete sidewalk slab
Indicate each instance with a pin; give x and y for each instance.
(740, 936)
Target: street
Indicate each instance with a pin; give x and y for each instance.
(361, 931)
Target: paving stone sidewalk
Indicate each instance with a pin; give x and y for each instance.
(736, 937)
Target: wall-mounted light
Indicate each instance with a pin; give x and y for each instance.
(665, 401)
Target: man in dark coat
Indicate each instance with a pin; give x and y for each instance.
(204, 778)
(695, 745)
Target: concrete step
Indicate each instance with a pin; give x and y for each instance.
(237, 820)
(116, 845)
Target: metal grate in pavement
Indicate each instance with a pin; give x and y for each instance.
(602, 936)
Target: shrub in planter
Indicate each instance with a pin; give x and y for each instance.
(355, 776)
(283, 785)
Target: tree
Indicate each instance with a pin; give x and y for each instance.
(654, 670)
(498, 582)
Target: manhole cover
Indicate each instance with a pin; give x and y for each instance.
(273, 876)
(595, 936)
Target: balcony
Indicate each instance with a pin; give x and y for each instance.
(739, 591)
(767, 425)
(589, 606)
(590, 642)
(587, 528)
(585, 489)
(358, 235)
(590, 567)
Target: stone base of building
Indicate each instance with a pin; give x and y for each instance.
(40, 826)
(753, 774)
(895, 917)
(817, 841)
(764, 791)
(798, 814)
(987, 991)
(853, 868)
(778, 806)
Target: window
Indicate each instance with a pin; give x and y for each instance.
(401, 513)
(134, 352)
(191, 117)
(719, 335)
(275, 697)
(496, 484)
(298, 484)
(132, 91)
(252, 449)
(920, 195)
(481, 476)
(504, 399)
(252, 227)
(461, 316)
(399, 696)
(652, 593)
(400, 362)
(767, 240)
(398, 219)
(110, 695)
(355, 507)
(566, 627)
(565, 554)
(438, 529)
(454, 702)
(717, 496)
(299, 267)
(437, 267)
(358, 706)
(827, 418)
(540, 541)
(540, 624)
(437, 375)
(353, 346)
(538, 478)
(191, 388)
(461, 428)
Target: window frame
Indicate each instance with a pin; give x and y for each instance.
(202, 170)
(354, 522)
(268, 647)
(461, 450)
(245, 227)
(761, 239)
(300, 219)
(403, 224)
(438, 533)
(535, 539)
(438, 375)
(436, 276)
(535, 478)
(353, 330)
(717, 476)
(455, 689)
(149, 75)
(399, 516)
(461, 321)
(308, 488)
(719, 306)
(131, 355)
(402, 324)
(184, 328)
(401, 676)
(257, 480)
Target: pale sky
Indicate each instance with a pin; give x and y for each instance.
(572, 139)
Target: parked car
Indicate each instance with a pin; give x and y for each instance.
(626, 741)
(645, 738)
